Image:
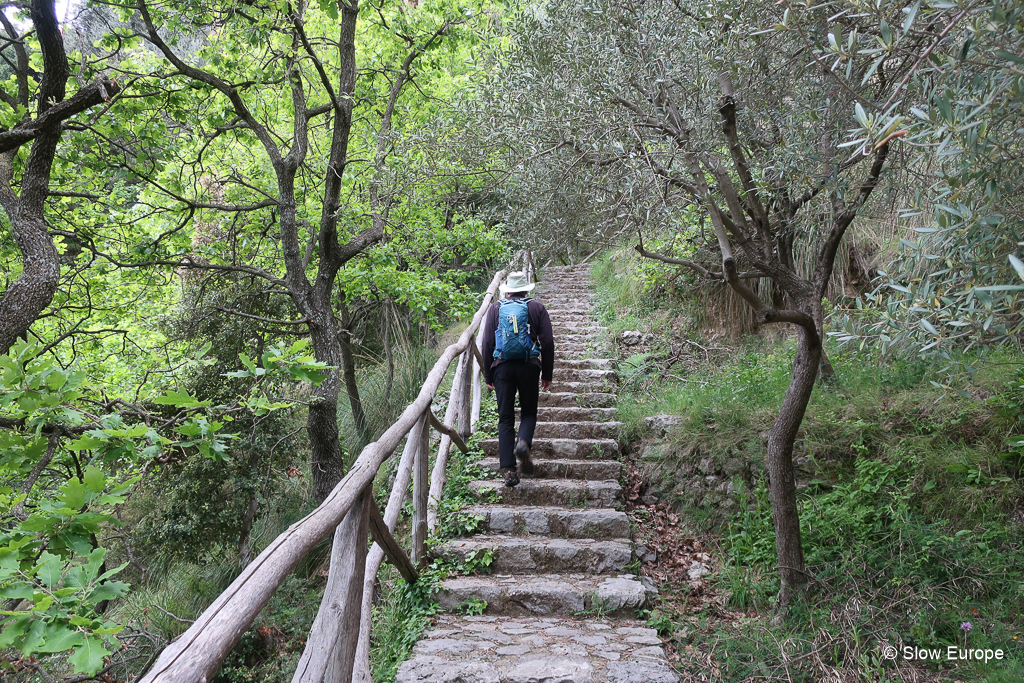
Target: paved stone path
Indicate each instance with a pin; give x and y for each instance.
(559, 600)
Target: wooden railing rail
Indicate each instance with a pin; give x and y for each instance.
(333, 641)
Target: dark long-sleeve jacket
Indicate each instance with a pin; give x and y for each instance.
(540, 331)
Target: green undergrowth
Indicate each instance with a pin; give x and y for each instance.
(911, 502)
(911, 517)
(270, 649)
(630, 296)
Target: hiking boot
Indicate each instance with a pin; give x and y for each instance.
(511, 477)
(522, 453)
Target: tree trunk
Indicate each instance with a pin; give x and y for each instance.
(782, 478)
(33, 291)
(327, 462)
(388, 354)
(244, 551)
(349, 367)
(825, 371)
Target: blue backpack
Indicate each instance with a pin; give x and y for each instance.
(512, 337)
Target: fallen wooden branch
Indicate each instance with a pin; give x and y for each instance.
(448, 431)
(381, 535)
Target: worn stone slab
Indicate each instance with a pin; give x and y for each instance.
(552, 670)
(584, 327)
(643, 670)
(577, 430)
(563, 449)
(609, 377)
(584, 363)
(548, 594)
(594, 470)
(552, 521)
(559, 385)
(570, 414)
(569, 399)
(427, 669)
(516, 554)
(543, 650)
(566, 314)
(570, 493)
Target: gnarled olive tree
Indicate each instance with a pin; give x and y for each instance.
(736, 109)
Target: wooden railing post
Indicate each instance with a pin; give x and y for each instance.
(420, 491)
(464, 391)
(477, 380)
(439, 474)
(403, 475)
(331, 646)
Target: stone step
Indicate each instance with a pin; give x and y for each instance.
(577, 319)
(591, 347)
(570, 279)
(558, 311)
(540, 555)
(567, 339)
(570, 493)
(551, 521)
(558, 385)
(587, 375)
(563, 449)
(569, 314)
(559, 302)
(574, 414)
(563, 327)
(565, 292)
(567, 280)
(584, 363)
(598, 346)
(565, 324)
(592, 470)
(581, 353)
(559, 305)
(577, 430)
(547, 594)
(571, 399)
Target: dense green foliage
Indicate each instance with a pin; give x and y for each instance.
(956, 279)
(153, 414)
(910, 504)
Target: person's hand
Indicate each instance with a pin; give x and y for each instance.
(545, 384)
(491, 387)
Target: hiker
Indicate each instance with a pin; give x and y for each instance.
(518, 339)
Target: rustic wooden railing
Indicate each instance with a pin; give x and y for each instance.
(337, 649)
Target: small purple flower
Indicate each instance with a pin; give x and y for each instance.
(966, 627)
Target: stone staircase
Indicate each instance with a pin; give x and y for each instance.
(559, 598)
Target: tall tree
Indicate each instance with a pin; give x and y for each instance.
(25, 183)
(301, 230)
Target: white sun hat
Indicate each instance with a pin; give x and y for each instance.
(516, 282)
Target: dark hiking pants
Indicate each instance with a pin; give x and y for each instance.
(511, 377)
